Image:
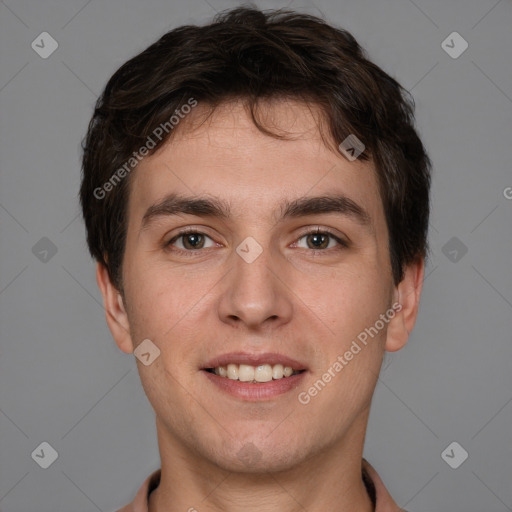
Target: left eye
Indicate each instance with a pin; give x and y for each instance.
(190, 241)
(319, 240)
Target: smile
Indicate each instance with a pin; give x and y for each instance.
(254, 374)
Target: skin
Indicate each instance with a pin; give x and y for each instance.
(307, 304)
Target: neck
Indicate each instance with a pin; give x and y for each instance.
(328, 480)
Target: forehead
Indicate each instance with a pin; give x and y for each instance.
(225, 155)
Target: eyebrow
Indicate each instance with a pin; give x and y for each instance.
(174, 204)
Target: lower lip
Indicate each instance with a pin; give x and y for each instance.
(256, 392)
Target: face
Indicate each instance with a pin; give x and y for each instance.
(258, 253)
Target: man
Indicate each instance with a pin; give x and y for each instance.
(257, 200)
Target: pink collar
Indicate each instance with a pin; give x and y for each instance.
(384, 501)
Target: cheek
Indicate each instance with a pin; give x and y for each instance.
(169, 308)
(159, 298)
(348, 300)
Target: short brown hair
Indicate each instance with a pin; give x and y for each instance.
(248, 54)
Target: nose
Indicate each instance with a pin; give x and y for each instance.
(256, 294)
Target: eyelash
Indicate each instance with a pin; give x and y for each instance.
(316, 231)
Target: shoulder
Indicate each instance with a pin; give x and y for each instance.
(140, 503)
(126, 508)
(385, 503)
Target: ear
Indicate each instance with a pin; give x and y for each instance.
(407, 295)
(115, 312)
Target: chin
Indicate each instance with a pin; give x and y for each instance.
(260, 456)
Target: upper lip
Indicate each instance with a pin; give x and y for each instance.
(254, 360)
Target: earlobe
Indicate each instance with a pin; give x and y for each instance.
(407, 294)
(115, 311)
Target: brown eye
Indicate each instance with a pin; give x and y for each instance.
(193, 241)
(318, 241)
(190, 241)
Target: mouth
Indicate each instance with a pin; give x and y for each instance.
(254, 376)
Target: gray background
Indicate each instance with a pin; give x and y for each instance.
(63, 380)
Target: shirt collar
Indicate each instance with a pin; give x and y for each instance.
(379, 495)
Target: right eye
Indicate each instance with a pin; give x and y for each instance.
(189, 240)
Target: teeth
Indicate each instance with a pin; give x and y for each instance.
(277, 371)
(263, 373)
(233, 371)
(248, 373)
(245, 373)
